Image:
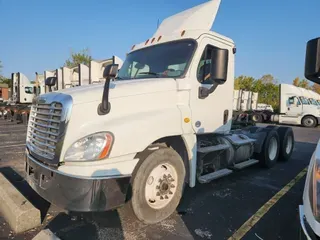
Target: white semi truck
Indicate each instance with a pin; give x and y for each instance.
(310, 209)
(22, 94)
(164, 124)
(295, 108)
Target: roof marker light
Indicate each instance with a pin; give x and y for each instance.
(133, 47)
(152, 40)
(146, 42)
(183, 32)
(159, 38)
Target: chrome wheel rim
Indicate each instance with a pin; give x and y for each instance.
(161, 186)
(289, 144)
(273, 148)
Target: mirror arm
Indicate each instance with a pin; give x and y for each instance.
(105, 106)
(205, 92)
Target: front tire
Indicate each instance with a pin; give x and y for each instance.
(158, 185)
(309, 122)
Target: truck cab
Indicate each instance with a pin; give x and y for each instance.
(162, 125)
(296, 108)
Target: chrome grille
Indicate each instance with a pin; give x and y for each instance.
(44, 128)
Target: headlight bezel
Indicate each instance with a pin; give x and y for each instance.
(104, 152)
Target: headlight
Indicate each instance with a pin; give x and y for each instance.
(93, 147)
(314, 188)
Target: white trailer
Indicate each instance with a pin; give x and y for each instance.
(164, 124)
(70, 77)
(309, 211)
(244, 100)
(96, 68)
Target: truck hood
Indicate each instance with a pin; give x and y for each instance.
(119, 89)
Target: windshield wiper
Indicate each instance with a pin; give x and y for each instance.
(151, 73)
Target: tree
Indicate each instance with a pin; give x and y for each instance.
(268, 78)
(5, 80)
(316, 88)
(75, 59)
(301, 83)
(244, 82)
(296, 82)
(304, 84)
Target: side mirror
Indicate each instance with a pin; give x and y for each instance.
(110, 71)
(219, 65)
(312, 61)
(51, 81)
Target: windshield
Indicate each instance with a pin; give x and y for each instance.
(304, 100)
(168, 60)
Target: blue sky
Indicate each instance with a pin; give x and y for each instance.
(38, 35)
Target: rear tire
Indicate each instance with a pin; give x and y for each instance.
(286, 143)
(158, 185)
(257, 117)
(309, 122)
(269, 154)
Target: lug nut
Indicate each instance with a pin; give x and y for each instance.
(166, 197)
(158, 187)
(158, 194)
(172, 186)
(161, 198)
(170, 193)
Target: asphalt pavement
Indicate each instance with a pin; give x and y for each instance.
(216, 210)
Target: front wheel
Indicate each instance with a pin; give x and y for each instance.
(309, 122)
(158, 185)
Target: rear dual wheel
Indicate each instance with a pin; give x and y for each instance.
(278, 145)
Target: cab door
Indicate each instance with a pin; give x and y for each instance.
(294, 107)
(212, 112)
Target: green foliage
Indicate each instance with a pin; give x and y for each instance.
(244, 82)
(75, 59)
(4, 79)
(267, 87)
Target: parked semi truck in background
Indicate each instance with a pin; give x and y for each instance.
(161, 126)
(310, 209)
(295, 108)
(22, 94)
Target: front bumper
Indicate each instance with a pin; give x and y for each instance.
(307, 230)
(75, 193)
